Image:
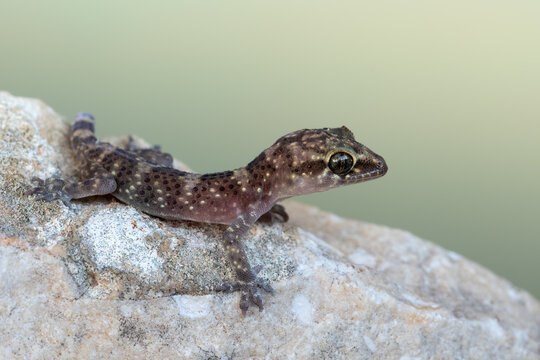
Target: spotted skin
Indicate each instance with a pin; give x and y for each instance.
(302, 162)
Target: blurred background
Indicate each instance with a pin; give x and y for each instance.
(447, 91)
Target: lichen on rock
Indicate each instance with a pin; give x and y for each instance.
(96, 280)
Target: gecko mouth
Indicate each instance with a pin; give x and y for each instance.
(368, 170)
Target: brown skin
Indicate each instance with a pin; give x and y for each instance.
(302, 162)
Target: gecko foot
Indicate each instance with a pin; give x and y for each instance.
(249, 292)
(49, 190)
(132, 145)
(153, 154)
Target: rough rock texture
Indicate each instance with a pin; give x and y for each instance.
(94, 281)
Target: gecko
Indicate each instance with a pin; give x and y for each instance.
(301, 162)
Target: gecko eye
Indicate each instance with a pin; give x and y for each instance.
(341, 163)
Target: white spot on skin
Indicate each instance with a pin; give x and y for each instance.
(191, 208)
(156, 182)
(212, 190)
(259, 190)
(160, 198)
(189, 194)
(302, 309)
(203, 202)
(244, 189)
(159, 191)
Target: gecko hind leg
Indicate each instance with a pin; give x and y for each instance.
(98, 182)
(153, 155)
(276, 214)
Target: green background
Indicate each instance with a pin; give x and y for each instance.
(447, 91)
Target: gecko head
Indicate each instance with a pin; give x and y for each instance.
(313, 160)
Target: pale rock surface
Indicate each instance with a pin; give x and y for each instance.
(94, 281)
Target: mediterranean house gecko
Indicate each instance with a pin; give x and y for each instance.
(302, 162)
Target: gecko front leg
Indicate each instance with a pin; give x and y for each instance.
(247, 281)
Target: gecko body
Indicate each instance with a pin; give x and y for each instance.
(302, 162)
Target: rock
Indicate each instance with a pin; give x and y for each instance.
(95, 280)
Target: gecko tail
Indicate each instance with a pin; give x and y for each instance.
(83, 129)
(83, 121)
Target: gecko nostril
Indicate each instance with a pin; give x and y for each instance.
(380, 164)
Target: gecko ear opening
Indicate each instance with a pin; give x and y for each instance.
(341, 162)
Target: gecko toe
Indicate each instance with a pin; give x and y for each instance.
(256, 298)
(49, 190)
(244, 303)
(228, 287)
(249, 292)
(266, 287)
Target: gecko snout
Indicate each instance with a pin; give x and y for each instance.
(380, 164)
